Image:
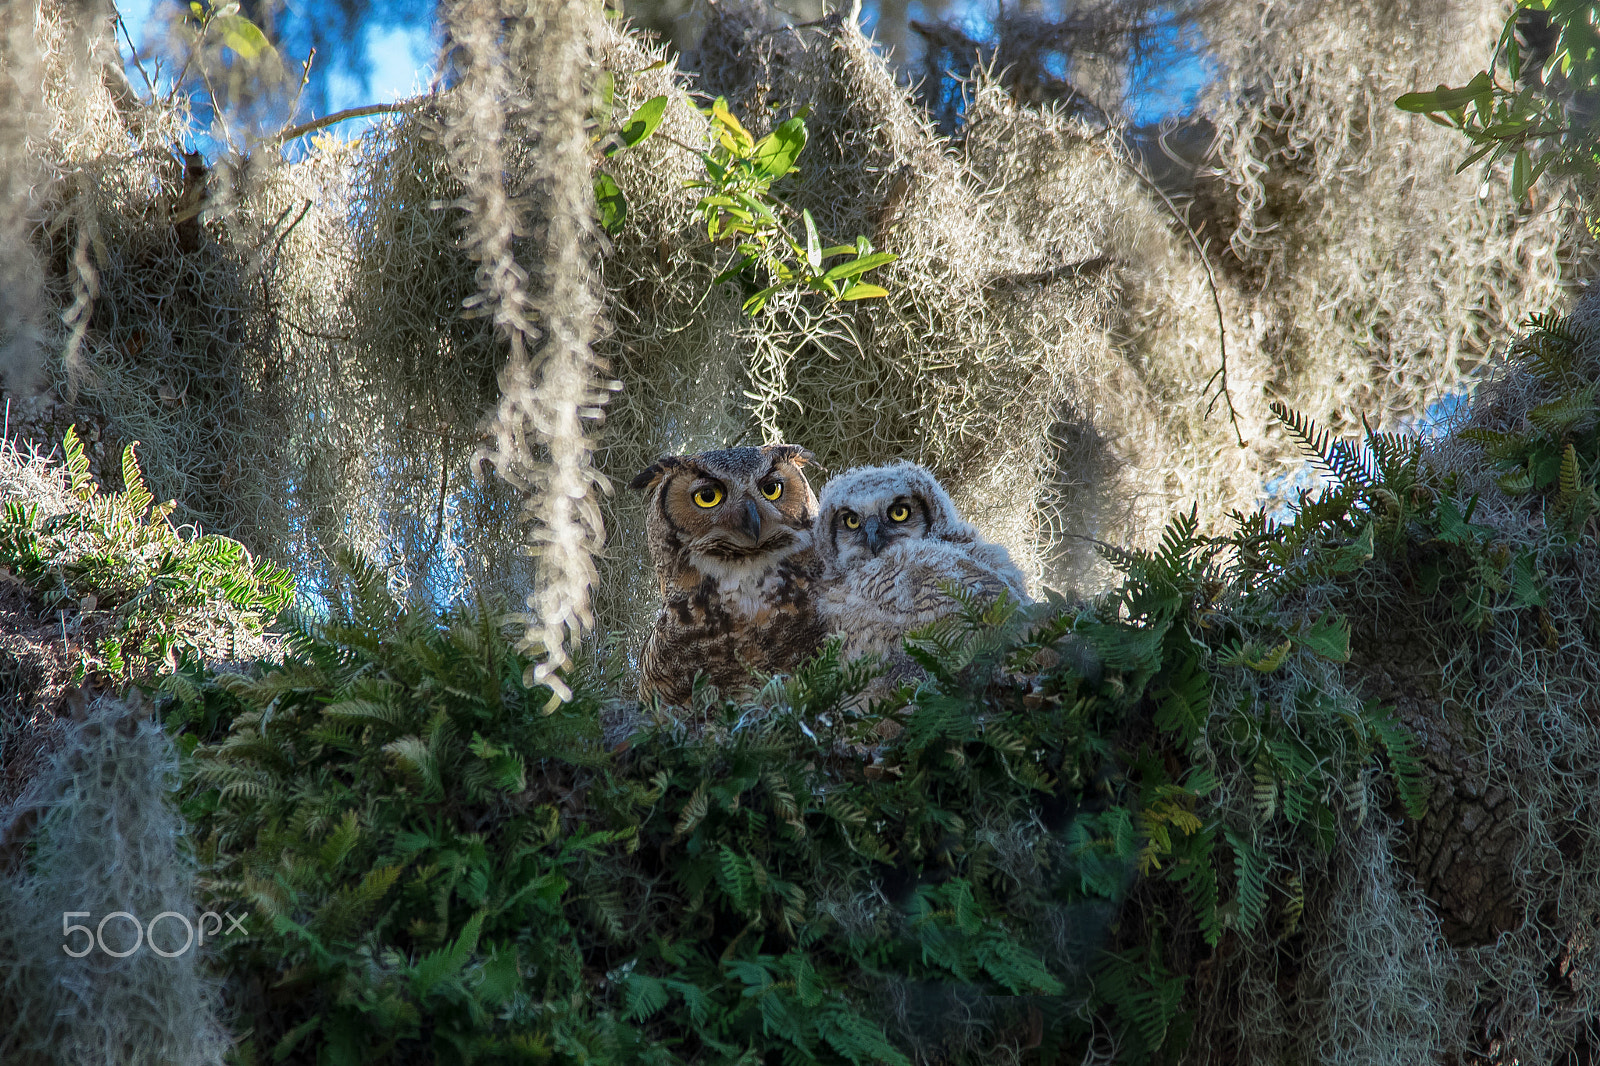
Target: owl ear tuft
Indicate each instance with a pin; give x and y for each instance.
(653, 473)
(795, 454)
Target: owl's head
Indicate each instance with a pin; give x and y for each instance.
(732, 507)
(865, 510)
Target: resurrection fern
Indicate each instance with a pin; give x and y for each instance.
(1073, 796)
(438, 865)
(1556, 452)
(148, 592)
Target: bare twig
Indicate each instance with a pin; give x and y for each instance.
(1211, 281)
(305, 79)
(133, 51)
(278, 244)
(1081, 268)
(216, 109)
(826, 22)
(342, 116)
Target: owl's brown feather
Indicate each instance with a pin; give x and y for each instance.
(738, 577)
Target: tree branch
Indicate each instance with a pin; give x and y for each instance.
(341, 116)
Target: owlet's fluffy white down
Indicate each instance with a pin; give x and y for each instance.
(889, 537)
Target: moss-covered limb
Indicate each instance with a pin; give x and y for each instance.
(1468, 609)
(1147, 816)
(1081, 806)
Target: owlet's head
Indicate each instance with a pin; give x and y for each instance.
(725, 508)
(865, 510)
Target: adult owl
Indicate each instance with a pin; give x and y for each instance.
(730, 535)
(889, 538)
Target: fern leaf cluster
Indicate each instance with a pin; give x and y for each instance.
(144, 591)
(443, 870)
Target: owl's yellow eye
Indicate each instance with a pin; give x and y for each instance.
(772, 491)
(899, 513)
(709, 496)
(851, 521)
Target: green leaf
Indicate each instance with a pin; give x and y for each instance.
(1521, 176)
(775, 154)
(642, 123)
(613, 205)
(241, 35)
(755, 303)
(1444, 98)
(863, 291)
(813, 243)
(733, 135)
(735, 270)
(859, 265)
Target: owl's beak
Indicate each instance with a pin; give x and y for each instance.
(875, 538)
(752, 521)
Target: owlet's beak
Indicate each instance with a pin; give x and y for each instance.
(875, 538)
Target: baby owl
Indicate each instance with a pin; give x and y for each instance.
(730, 536)
(889, 536)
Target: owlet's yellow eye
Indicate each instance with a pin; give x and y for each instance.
(708, 497)
(851, 521)
(899, 513)
(772, 491)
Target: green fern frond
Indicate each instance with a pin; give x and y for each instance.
(1566, 413)
(693, 813)
(1294, 907)
(1516, 483)
(1396, 457)
(368, 712)
(1342, 461)
(80, 482)
(1265, 790)
(1497, 444)
(1250, 869)
(339, 842)
(1549, 348)
(1569, 481)
(1405, 765)
(1126, 560)
(1183, 703)
(134, 495)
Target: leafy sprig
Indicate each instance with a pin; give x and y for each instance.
(775, 248)
(1538, 117)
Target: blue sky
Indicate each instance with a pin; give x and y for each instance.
(400, 57)
(400, 54)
